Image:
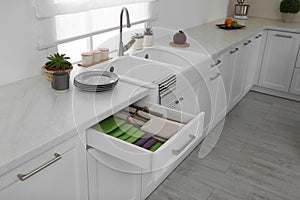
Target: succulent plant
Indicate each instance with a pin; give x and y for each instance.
(58, 61)
(289, 6)
(148, 30)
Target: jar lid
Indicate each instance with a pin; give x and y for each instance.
(87, 54)
(103, 49)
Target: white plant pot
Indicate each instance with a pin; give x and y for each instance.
(138, 44)
(288, 17)
(148, 40)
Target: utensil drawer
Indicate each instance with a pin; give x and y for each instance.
(168, 153)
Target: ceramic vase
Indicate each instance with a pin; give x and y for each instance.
(288, 17)
(148, 40)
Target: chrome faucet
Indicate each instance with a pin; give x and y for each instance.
(122, 48)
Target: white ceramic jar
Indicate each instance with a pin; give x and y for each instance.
(138, 44)
(104, 53)
(96, 56)
(87, 58)
(148, 40)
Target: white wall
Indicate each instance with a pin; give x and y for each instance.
(181, 14)
(266, 9)
(19, 57)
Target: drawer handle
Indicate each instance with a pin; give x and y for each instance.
(178, 151)
(216, 76)
(246, 43)
(284, 36)
(233, 51)
(216, 64)
(258, 36)
(23, 177)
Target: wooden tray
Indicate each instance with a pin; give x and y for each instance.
(82, 65)
(179, 45)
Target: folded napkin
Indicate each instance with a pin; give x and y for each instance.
(143, 140)
(161, 128)
(155, 146)
(109, 124)
(150, 143)
(120, 130)
(137, 135)
(128, 133)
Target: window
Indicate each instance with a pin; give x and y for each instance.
(108, 40)
(63, 21)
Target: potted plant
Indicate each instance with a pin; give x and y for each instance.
(289, 8)
(148, 36)
(57, 62)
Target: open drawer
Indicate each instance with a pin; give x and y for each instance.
(168, 153)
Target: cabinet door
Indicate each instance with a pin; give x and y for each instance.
(252, 50)
(218, 97)
(112, 178)
(279, 60)
(295, 86)
(237, 86)
(228, 60)
(64, 178)
(298, 59)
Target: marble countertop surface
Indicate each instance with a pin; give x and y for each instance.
(34, 118)
(216, 41)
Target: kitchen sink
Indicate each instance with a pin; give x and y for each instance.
(179, 58)
(137, 68)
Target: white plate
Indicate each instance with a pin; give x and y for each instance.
(96, 78)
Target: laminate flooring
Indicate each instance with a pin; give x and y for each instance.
(257, 157)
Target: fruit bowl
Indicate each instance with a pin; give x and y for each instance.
(222, 26)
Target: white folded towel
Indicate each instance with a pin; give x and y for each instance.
(160, 127)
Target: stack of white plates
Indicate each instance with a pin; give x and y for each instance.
(96, 81)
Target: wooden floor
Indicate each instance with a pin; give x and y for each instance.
(257, 157)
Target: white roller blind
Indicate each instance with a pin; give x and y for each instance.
(62, 21)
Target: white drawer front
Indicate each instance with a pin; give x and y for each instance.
(169, 152)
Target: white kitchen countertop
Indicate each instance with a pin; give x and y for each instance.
(34, 118)
(216, 41)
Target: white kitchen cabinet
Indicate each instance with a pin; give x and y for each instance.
(279, 60)
(295, 85)
(226, 67)
(251, 60)
(298, 59)
(126, 171)
(64, 176)
(217, 94)
(205, 95)
(112, 178)
(237, 84)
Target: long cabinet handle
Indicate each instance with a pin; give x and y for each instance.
(248, 42)
(216, 64)
(233, 51)
(214, 77)
(23, 177)
(178, 151)
(258, 36)
(284, 36)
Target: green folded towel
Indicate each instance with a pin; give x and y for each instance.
(155, 146)
(137, 135)
(128, 133)
(120, 130)
(108, 125)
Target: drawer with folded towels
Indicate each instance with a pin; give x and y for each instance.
(147, 135)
